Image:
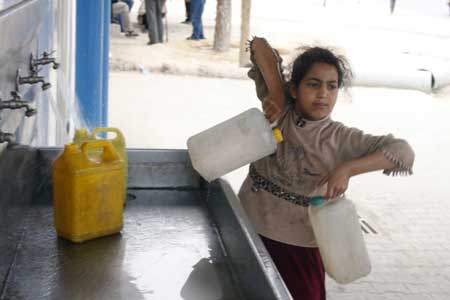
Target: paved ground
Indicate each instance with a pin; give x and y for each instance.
(410, 250)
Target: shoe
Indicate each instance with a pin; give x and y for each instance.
(152, 43)
(187, 21)
(131, 34)
(192, 38)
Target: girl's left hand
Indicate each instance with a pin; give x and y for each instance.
(337, 181)
(271, 108)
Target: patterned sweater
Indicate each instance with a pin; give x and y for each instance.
(310, 150)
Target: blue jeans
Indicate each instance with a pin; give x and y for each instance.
(197, 7)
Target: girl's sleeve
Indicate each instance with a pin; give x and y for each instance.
(354, 143)
(260, 85)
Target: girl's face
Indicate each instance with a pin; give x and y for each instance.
(317, 92)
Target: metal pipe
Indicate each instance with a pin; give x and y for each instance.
(17, 103)
(6, 137)
(91, 61)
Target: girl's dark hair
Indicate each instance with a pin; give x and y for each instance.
(303, 63)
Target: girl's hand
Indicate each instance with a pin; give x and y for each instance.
(337, 181)
(272, 109)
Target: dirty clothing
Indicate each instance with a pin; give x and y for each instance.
(277, 190)
(297, 266)
(310, 150)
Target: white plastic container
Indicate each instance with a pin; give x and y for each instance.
(232, 144)
(340, 240)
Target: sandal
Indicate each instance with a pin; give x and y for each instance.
(131, 34)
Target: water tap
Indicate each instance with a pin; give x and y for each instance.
(6, 137)
(16, 103)
(32, 79)
(44, 60)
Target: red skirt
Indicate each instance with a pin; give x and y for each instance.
(301, 268)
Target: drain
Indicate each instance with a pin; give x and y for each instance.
(366, 227)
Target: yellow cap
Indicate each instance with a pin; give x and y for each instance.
(81, 133)
(71, 148)
(277, 134)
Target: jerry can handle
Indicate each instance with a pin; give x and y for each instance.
(109, 153)
(118, 133)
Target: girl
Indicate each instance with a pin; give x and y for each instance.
(318, 157)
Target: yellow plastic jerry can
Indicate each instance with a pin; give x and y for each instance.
(88, 196)
(82, 135)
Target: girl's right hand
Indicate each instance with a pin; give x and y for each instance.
(271, 109)
(337, 181)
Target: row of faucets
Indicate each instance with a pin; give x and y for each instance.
(33, 77)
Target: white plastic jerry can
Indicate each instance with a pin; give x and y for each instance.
(340, 240)
(232, 144)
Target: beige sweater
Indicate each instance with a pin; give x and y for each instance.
(310, 150)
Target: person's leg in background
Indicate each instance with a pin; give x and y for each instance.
(197, 7)
(142, 17)
(187, 4)
(200, 22)
(392, 6)
(118, 20)
(159, 20)
(154, 21)
(144, 22)
(122, 11)
(115, 18)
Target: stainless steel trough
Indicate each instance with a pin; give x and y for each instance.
(182, 239)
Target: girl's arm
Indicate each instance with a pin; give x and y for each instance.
(361, 153)
(268, 77)
(338, 179)
(355, 144)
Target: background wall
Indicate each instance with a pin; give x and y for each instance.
(32, 27)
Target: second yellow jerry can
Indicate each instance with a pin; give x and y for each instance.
(88, 196)
(82, 135)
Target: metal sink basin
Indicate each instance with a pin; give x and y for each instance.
(182, 239)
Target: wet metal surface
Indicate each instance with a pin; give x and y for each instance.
(182, 238)
(168, 249)
(163, 169)
(154, 168)
(256, 273)
(17, 174)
